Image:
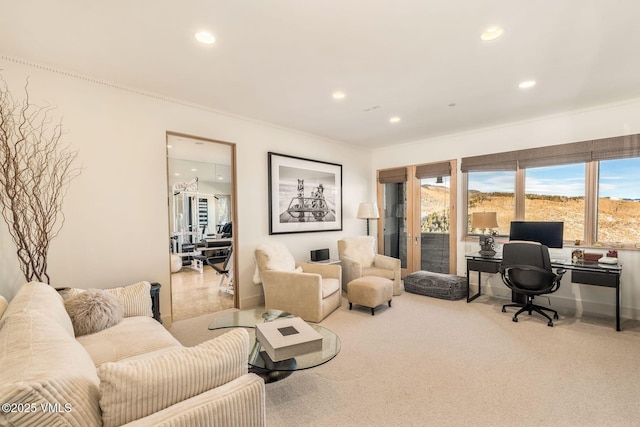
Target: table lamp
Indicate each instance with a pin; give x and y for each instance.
(485, 221)
(368, 211)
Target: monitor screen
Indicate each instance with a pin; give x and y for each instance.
(548, 233)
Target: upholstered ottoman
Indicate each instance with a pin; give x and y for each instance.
(438, 285)
(370, 291)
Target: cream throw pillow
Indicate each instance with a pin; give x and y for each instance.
(133, 389)
(3, 305)
(360, 249)
(93, 310)
(278, 258)
(135, 298)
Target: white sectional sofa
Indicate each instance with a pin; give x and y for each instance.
(134, 373)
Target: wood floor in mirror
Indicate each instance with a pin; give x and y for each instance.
(195, 294)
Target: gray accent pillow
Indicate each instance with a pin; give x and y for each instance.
(93, 311)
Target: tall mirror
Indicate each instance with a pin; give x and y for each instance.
(200, 192)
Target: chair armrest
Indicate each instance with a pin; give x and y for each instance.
(297, 293)
(325, 270)
(351, 270)
(387, 262)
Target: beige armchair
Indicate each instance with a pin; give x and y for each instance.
(359, 258)
(310, 291)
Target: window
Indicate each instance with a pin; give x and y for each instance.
(591, 186)
(557, 193)
(619, 201)
(492, 192)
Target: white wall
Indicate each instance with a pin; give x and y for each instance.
(601, 122)
(116, 229)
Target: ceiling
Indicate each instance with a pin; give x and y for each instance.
(191, 158)
(279, 61)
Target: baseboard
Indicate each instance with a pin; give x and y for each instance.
(570, 306)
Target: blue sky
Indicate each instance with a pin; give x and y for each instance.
(618, 179)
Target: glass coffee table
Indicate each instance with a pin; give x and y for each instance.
(259, 362)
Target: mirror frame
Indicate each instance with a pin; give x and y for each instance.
(234, 209)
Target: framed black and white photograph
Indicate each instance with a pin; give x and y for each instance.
(304, 195)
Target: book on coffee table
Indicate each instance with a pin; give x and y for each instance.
(288, 337)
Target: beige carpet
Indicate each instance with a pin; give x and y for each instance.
(427, 361)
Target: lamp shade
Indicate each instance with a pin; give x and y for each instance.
(368, 211)
(484, 220)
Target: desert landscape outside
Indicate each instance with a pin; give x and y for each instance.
(618, 220)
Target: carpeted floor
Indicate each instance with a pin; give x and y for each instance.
(427, 361)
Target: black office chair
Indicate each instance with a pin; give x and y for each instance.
(526, 269)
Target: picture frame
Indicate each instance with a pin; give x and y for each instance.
(304, 195)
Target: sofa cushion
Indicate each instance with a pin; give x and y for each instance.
(132, 389)
(360, 249)
(93, 311)
(131, 337)
(329, 286)
(40, 297)
(42, 364)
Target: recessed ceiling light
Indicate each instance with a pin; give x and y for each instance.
(194, 170)
(394, 119)
(169, 146)
(205, 37)
(527, 84)
(491, 33)
(176, 174)
(338, 95)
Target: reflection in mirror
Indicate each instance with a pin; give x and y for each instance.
(200, 226)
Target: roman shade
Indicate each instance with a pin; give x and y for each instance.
(433, 170)
(618, 147)
(390, 176)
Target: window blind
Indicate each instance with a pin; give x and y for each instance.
(618, 147)
(389, 176)
(507, 161)
(433, 170)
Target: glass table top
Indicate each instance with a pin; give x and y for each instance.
(258, 358)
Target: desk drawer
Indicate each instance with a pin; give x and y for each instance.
(483, 266)
(594, 278)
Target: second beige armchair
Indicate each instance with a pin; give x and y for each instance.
(359, 258)
(309, 291)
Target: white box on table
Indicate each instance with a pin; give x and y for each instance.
(288, 337)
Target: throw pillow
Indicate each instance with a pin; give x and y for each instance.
(135, 298)
(93, 311)
(133, 389)
(360, 249)
(279, 257)
(3, 305)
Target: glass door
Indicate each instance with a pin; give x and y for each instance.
(435, 224)
(394, 222)
(418, 217)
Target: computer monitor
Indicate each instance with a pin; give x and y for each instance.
(548, 233)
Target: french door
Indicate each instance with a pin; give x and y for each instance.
(418, 223)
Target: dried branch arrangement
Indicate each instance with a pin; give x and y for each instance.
(35, 172)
